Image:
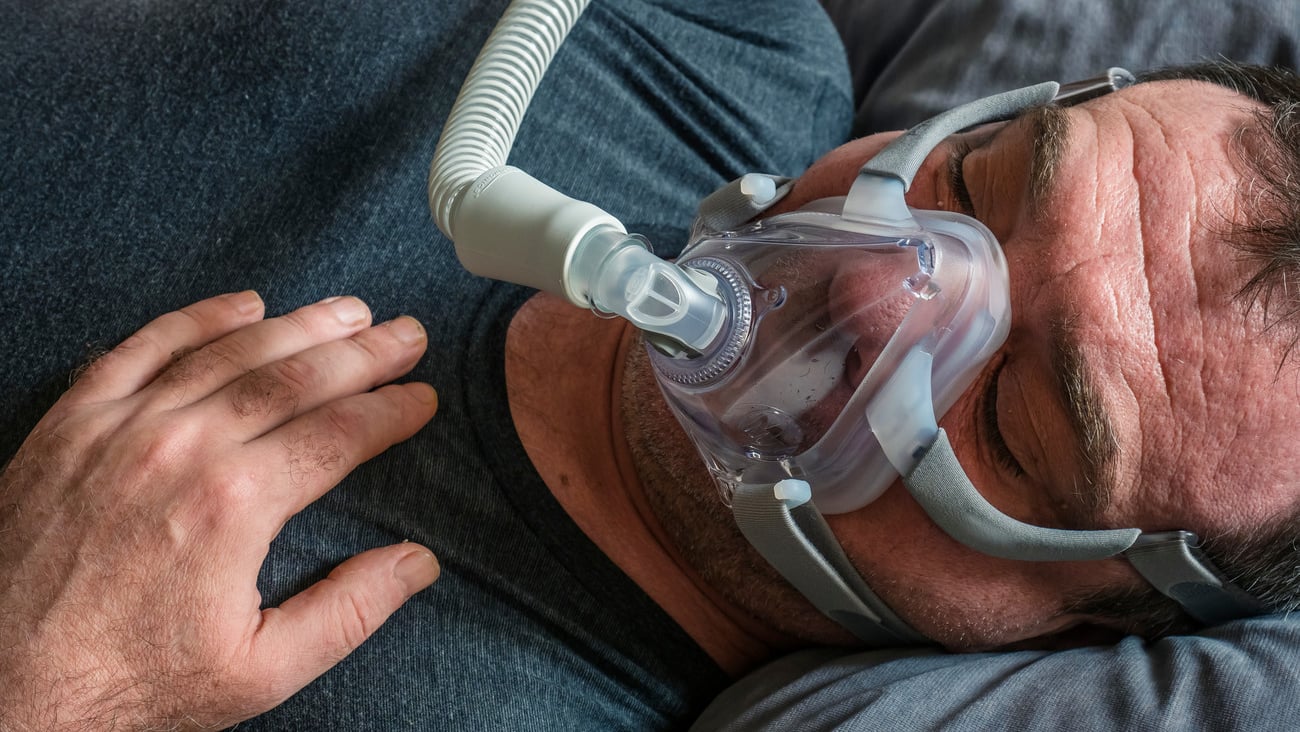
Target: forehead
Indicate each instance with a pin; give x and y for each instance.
(1132, 247)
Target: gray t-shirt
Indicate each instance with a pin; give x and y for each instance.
(157, 153)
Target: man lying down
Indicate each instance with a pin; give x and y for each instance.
(1085, 201)
(179, 527)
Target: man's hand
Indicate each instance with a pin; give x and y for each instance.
(136, 515)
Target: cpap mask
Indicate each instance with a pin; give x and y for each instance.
(808, 355)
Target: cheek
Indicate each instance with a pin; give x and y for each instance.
(960, 598)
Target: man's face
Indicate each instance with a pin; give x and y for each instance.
(1133, 389)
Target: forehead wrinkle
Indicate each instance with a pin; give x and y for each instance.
(1178, 331)
(1186, 291)
(1211, 358)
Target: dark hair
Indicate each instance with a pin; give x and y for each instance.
(1271, 151)
(1266, 560)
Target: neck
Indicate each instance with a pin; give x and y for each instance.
(568, 419)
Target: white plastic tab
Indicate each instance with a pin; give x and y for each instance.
(793, 492)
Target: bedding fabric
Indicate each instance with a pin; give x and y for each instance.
(1241, 676)
(915, 58)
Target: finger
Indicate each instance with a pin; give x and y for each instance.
(216, 364)
(311, 454)
(271, 395)
(315, 629)
(138, 360)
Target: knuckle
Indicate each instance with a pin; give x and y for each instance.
(139, 341)
(401, 401)
(395, 400)
(310, 453)
(370, 345)
(301, 320)
(297, 374)
(161, 447)
(168, 454)
(100, 360)
(195, 314)
(343, 420)
(189, 365)
(177, 321)
(358, 617)
(228, 489)
(264, 392)
(224, 351)
(97, 361)
(186, 365)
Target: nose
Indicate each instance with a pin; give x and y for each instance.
(869, 298)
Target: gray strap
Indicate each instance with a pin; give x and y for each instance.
(742, 199)
(940, 485)
(904, 156)
(1173, 564)
(791, 534)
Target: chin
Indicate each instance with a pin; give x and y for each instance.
(689, 506)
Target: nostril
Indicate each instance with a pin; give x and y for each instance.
(854, 369)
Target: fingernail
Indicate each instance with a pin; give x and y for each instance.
(406, 329)
(245, 302)
(425, 393)
(348, 310)
(416, 570)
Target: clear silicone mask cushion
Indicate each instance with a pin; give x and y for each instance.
(850, 330)
(857, 323)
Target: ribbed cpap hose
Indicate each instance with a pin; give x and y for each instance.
(485, 119)
(510, 226)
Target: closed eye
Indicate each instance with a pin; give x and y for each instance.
(993, 431)
(956, 179)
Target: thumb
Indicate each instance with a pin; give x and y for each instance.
(315, 629)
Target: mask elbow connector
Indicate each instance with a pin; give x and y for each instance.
(510, 226)
(680, 305)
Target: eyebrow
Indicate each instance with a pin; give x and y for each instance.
(1049, 128)
(1098, 445)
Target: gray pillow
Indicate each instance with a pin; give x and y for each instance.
(913, 58)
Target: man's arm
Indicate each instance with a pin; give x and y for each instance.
(135, 517)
